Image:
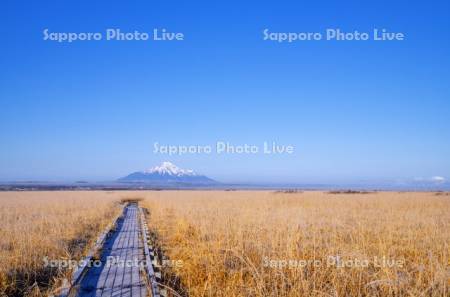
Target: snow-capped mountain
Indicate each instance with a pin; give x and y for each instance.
(167, 173)
(170, 169)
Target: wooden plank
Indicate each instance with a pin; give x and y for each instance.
(118, 279)
(137, 282)
(126, 278)
(149, 267)
(79, 273)
(108, 286)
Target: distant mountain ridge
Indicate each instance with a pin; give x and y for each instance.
(167, 173)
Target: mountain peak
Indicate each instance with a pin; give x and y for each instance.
(170, 169)
(167, 173)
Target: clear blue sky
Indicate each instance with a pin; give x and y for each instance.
(353, 110)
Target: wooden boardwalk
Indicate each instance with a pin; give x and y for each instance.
(119, 274)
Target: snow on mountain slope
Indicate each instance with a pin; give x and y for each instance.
(167, 173)
(170, 169)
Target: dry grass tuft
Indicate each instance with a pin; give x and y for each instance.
(130, 199)
(289, 191)
(351, 192)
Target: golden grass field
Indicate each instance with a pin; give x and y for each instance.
(234, 243)
(245, 243)
(59, 225)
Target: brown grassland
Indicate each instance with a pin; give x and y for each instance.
(244, 243)
(56, 225)
(234, 243)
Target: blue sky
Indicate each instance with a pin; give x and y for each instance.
(355, 111)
